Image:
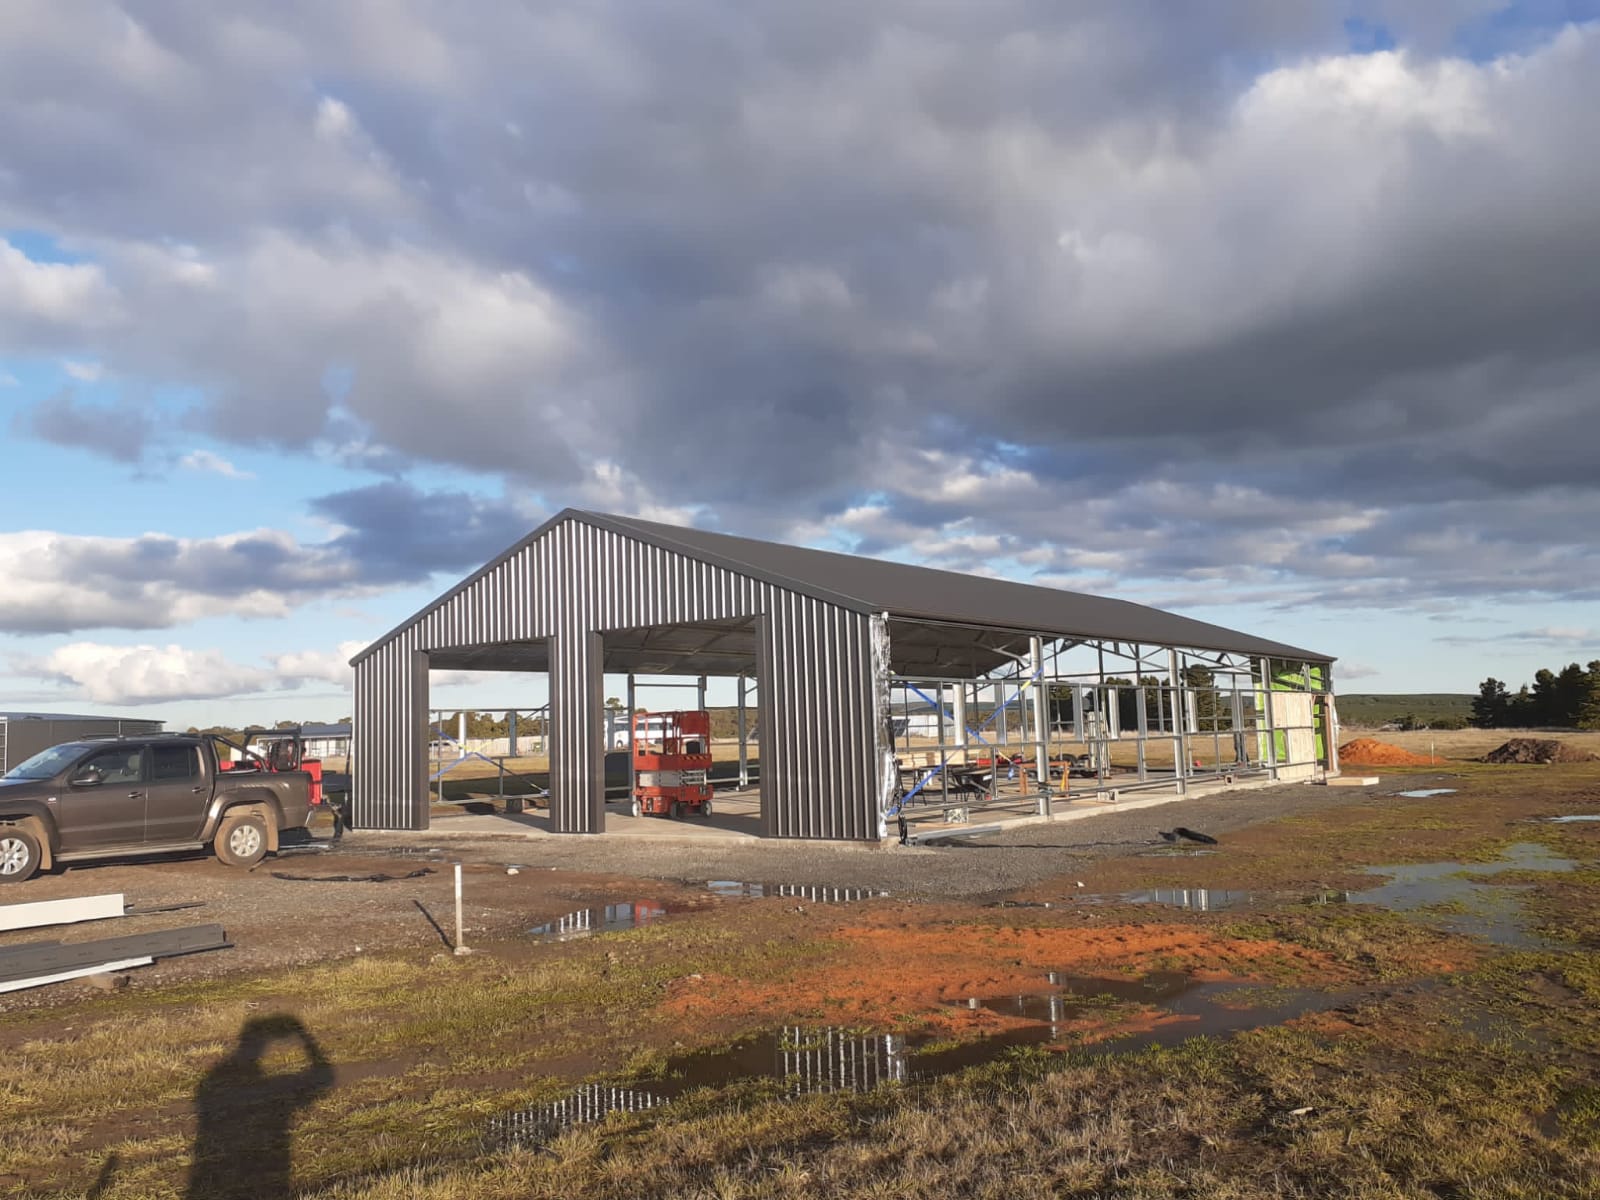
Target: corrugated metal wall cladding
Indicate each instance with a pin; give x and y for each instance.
(820, 719)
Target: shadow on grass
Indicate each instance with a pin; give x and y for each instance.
(244, 1112)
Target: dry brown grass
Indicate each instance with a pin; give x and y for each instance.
(1478, 1082)
(1475, 743)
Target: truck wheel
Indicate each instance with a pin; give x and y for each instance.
(705, 807)
(633, 809)
(677, 810)
(19, 855)
(242, 840)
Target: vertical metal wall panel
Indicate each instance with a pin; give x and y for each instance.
(389, 742)
(821, 711)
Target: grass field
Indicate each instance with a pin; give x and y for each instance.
(1474, 743)
(1440, 1066)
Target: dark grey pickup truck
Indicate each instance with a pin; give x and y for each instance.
(112, 797)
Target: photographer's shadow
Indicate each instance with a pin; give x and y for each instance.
(244, 1113)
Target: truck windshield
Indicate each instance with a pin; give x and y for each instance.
(47, 763)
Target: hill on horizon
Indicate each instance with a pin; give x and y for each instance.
(1424, 708)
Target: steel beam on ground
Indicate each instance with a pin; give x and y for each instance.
(17, 985)
(47, 958)
(36, 914)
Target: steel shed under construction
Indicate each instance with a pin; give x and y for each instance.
(835, 643)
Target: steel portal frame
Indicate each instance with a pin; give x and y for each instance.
(1215, 717)
(582, 597)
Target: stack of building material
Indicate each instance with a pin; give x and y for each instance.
(34, 964)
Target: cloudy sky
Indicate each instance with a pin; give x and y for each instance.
(1282, 313)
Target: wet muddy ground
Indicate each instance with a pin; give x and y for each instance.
(363, 894)
(1377, 933)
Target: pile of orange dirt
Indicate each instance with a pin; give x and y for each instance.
(1369, 752)
(1537, 750)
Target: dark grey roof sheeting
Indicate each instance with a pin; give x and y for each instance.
(919, 593)
(43, 716)
(928, 594)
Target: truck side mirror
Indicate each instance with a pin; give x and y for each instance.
(89, 777)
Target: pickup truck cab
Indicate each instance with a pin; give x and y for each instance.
(113, 797)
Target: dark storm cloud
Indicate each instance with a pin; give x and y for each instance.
(120, 433)
(387, 534)
(59, 583)
(394, 532)
(1116, 291)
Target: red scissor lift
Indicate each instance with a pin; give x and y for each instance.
(672, 764)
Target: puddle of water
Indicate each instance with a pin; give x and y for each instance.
(806, 1061)
(609, 918)
(1423, 793)
(1206, 1009)
(1491, 913)
(817, 893)
(1573, 818)
(1327, 896)
(1193, 899)
(605, 918)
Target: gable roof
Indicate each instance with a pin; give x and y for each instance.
(917, 593)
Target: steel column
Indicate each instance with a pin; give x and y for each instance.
(1180, 741)
(1041, 717)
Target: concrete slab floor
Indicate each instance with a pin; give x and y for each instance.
(736, 816)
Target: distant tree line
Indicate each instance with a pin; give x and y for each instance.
(1568, 699)
(245, 733)
(724, 722)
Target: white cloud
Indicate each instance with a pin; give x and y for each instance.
(146, 674)
(44, 301)
(7, 379)
(102, 673)
(323, 666)
(333, 119)
(447, 358)
(82, 371)
(215, 464)
(380, 535)
(60, 582)
(1317, 328)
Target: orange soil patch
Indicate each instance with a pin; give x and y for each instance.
(916, 977)
(1369, 752)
